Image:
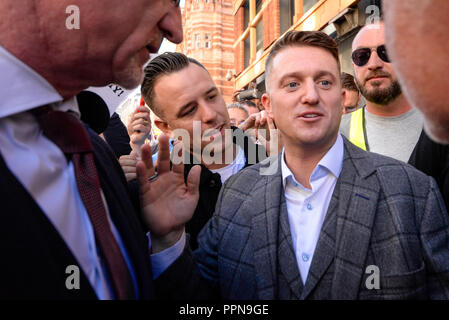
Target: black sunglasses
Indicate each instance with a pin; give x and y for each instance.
(361, 56)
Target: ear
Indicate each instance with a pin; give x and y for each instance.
(163, 126)
(343, 98)
(266, 102)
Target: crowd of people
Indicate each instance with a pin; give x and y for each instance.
(297, 197)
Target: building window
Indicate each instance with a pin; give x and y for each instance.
(307, 4)
(247, 52)
(207, 42)
(258, 6)
(287, 14)
(197, 41)
(245, 14)
(259, 39)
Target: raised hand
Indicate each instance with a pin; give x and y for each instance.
(253, 123)
(139, 127)
(272, 140)
(260, 127)
(235, 94)
(167, 201)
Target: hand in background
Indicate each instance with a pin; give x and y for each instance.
(261, 128)
(139, 127)
(129, 165)
(272, 139)
(235, 94)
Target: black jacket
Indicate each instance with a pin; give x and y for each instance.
(117, 136)
(432, 158)
(34, 255)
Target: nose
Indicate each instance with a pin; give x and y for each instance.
(374, 61)
(171, 25)
(310, 95)
(208, 114)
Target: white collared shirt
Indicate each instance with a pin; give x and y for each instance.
(234, 167)
(307, 208)
(42, 168)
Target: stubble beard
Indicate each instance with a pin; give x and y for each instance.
(131, 76)
(381, 96)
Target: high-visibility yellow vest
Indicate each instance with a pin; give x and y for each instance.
(357, 129)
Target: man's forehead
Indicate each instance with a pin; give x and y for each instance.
(185, 85)
(303, 59)
(369, 36)
(236, 110)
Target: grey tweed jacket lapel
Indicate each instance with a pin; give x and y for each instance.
(271, 240)
(346, 231)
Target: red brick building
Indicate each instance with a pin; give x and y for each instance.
(208, 27)
(259, 23)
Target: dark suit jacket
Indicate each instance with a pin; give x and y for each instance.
(383, 212)
(117, 136)
(432, 158)
(34, 256)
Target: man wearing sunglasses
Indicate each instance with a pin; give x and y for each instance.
(387, 124)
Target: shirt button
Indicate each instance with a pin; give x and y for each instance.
(305, 257)
(212, 183)
(309, 206)
(295, 184)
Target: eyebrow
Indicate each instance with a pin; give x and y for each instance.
(325, 73)
(368, 47)
(188, 104)
(318, 74)
(210, 90)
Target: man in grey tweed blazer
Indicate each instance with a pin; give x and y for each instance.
(370, 227)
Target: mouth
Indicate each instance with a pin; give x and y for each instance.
(214, 133)
(151, 49)
(311, 115)
(377, 78)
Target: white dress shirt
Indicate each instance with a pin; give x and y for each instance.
(234, 167)
(307, 207)
(42, 168)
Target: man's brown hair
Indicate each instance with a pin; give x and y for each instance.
(164, 64)
(302, 39)
(347, 82)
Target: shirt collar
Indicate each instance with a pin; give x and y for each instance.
(26, 91)
(331, 162)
